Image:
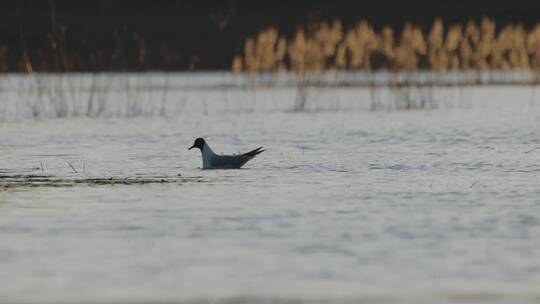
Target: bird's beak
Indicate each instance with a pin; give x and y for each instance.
(191, 147)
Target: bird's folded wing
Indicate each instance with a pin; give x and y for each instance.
(229, 161)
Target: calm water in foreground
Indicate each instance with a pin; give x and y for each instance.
(423, 206)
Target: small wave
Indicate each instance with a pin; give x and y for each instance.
(397, 167)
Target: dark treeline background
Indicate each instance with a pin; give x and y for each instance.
(136, 35)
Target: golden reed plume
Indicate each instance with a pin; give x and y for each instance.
(329, 47)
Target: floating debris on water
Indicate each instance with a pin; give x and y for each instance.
(8, 181)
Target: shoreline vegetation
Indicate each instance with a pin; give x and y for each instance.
(313, 49)
(125, 95)
(330, 47)
(399, 67)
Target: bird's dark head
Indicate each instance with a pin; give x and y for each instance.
(199, 143)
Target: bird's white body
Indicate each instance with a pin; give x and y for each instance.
(207, 155)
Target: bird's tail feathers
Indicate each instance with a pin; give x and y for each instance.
(254, 152)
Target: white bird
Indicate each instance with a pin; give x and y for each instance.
(213, 161)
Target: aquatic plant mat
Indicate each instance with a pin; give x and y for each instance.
(10, 181)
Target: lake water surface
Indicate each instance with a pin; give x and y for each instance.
(345, 206)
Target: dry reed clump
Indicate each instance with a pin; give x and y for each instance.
(330, 47)
(265, 52)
